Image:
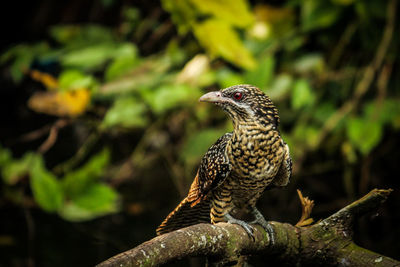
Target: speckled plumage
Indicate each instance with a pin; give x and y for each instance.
(236, 170)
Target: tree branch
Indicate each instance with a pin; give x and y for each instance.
(328, 242)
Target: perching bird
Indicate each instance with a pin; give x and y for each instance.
(236, 170)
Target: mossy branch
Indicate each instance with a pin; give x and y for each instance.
(328, 242)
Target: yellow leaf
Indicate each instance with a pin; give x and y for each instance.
(273, 14)
(70, 103)
(220, 39)
(76, 101)
(46, 79)
(234, 12)
(275, 22)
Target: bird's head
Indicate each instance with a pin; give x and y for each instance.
(244, 103)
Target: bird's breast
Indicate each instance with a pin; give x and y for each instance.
(255, 153)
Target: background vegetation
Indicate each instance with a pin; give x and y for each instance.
(101, 131)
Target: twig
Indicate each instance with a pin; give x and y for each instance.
(344, 40)
(79, 156)
(369, 202)
(382, 81)
(306, 208)
(52, 138)
(34, 134)
(30, 225)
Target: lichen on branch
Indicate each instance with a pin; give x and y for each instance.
(327, 243)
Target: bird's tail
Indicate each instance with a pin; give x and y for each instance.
(186, 214)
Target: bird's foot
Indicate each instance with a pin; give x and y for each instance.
(249, 229)
(259, 219)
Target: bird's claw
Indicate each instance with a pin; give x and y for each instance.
(247, 227)
(268, 228)
(259, 219)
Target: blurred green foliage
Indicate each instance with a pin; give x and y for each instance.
(309, 56)
(78, 195)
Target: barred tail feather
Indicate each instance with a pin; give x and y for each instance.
(185, 215)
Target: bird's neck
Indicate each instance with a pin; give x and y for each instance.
(257, 132)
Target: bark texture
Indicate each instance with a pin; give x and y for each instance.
(326, 243)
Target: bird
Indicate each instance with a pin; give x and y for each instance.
(238, 167)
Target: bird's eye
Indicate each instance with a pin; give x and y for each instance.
(237, 95)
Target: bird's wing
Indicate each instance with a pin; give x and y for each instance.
(213, 170)
(285, 170)
(195, 208)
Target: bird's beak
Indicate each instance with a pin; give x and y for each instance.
(213, 97)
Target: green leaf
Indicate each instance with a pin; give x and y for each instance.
(78, 36)
(119, 67)
(125, 50)
(174, 53)
(20, 65)
(126, 112)
(182, 13)
(75, 79)
(77, 181)
(5, 156)
(363, 133)
(227, 77)
(45, 186)
(302, 95)
(87, 198)
(90, 57)
(309, 63)
(22, 57)
(316, 14)
(295, 43)
(280, 87)
(198, 143)
(97, 200)
(324, 111)
(170, 96)
(220, 39)
(14, 170)
(371, 9)
(262, 75)
(349, 152)
(387, 111)
(306, 134)
(125, 58)
(235, 12)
